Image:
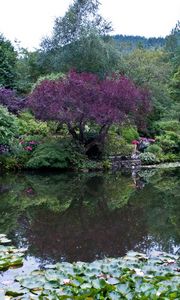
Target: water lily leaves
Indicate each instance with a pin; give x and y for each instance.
(99, 283)
(4, 240)
(33, 283)
(112, 280)
(133, 277)
(2, 294)
(9, 256)
(86, 285)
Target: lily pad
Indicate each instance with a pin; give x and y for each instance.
(9, 256)
(137, 277)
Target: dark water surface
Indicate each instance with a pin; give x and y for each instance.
(72, 217)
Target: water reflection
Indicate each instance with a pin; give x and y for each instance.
(88, 216)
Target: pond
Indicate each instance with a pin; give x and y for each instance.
(83, 217)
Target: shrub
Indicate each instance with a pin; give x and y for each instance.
(129, 133)
(163, 126)
(8, 126)
(148, 158)
(154, 149)
(8, 162)
(52, 76)
(29, 145)
(55, 154)
(58, 128)
(117, 145)
(169, 157)
(169, 142)
(28, 125)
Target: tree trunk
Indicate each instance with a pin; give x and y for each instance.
(98, 142)
(95, 147)
(72, 132)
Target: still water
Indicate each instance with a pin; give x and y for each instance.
(83, 217)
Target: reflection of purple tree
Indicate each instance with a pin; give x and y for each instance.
(87, 229)
(77, 236)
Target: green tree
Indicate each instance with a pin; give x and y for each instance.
(29, 68)
(175, 94)
(153, 70)
(173, 50)
(79, 41)
(173, 46)
(89, 54)
(81, 18)
(175, 86)
(8, 58)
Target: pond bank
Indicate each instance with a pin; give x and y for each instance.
(118, 162)
(162, 165)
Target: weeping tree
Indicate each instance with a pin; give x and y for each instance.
(92, 53)
(80, 100)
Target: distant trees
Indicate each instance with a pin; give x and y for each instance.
(126, 43)
(82, 99)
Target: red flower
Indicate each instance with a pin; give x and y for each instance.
(28, 148)
(135, 142)
(32, 143)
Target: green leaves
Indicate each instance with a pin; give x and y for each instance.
(137, 277)
(9, 255)
(8, 59)
(8, 126)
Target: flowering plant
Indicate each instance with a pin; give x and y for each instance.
(28, 145)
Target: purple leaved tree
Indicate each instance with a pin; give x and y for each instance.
(81, 99)
(9, 99)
